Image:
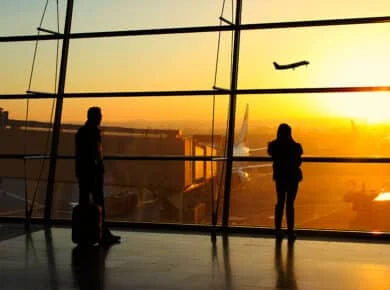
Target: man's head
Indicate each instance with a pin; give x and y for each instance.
(94, 115)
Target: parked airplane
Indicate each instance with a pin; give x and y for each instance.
(241, 148)
(291, 65)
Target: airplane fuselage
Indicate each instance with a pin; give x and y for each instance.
(291, 65)
(241, 150)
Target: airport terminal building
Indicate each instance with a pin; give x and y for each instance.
(173, 79)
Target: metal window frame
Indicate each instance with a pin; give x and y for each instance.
(202, 29)
(236, 28)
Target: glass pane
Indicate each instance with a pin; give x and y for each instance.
(338, 125)
(90, 15)
(146, 191)
(17, 138)
(149, 126)
(20, 180)
(338, 56)
(22, 17)
(168, 62)
(16, 63)
(331, 196)
(270, 11)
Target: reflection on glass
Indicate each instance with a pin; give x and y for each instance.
(88, 266)
(225, 261)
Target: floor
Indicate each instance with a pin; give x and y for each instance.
(47, 259)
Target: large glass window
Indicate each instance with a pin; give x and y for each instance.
(16, 61)
(277, 11)
(338, 125)
(150, 125)
(22, 184)
(352, 197)
(338, 56)
(21, 17)
(90, 15)
(162, 126)
(148, 63)
(26, 126)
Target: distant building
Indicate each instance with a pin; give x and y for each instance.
(179, 186)
(3, 118)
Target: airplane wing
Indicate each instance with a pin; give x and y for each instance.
(243, 174)
(254, 166)
(257, 149)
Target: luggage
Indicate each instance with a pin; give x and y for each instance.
(86, 224)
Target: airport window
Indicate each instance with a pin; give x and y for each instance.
(191, 94)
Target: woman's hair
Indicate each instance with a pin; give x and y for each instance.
(93, 113)
(284, 132)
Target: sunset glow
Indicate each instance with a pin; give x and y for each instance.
(172, 87)
(339, 56)
(368, 107)
(383, 196)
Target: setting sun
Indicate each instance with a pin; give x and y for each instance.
(372, 108)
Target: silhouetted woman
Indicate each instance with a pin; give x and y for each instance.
(286, 155)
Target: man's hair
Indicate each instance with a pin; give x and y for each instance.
(93, 112)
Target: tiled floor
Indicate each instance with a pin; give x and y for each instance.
(155, 260)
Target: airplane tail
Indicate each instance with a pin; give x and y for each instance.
(243, 137)
(276, 65)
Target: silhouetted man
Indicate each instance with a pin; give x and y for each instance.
(90, 168)
(286, 155)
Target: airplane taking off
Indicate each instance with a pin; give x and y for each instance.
(291, 65)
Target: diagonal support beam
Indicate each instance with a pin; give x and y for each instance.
(225, 20)
(48, 31)
(58, 112)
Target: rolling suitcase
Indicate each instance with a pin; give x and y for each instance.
(86, 224)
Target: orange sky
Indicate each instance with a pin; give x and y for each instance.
(339, 56)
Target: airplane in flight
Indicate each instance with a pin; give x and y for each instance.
(291, 65)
